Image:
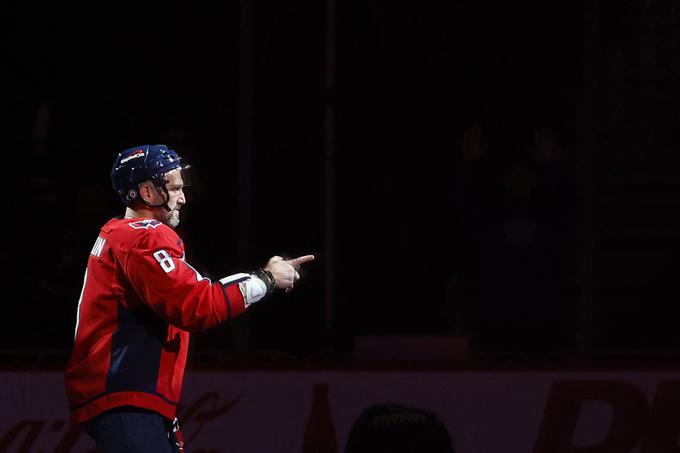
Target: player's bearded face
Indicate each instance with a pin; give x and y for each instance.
(175, 198)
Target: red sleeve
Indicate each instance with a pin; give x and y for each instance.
(173, 289)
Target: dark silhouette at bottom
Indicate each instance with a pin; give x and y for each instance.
(396, 428)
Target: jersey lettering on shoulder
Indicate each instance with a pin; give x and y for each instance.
(145, 224)
(98, 247)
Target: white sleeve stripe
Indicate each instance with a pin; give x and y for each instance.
(251, 287)
(236, 278)
(253, 290)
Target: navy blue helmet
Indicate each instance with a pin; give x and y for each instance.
(142, 163)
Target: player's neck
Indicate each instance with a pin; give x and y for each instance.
(138, 213)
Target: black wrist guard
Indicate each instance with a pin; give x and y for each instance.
(267, 278)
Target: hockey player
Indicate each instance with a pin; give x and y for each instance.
(139, 301)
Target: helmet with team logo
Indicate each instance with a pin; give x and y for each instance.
(142, 163)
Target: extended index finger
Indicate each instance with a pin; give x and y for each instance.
(295, 262)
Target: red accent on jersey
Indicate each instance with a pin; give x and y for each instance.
(139, 302)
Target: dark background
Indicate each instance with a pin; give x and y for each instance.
(502, 172)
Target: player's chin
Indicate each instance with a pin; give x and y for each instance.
(173, 220)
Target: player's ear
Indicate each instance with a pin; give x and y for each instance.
(146, 192)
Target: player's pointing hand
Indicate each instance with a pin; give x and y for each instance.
(286, 272)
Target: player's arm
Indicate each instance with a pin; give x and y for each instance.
(175, 291)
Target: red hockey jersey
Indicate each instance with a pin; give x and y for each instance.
(139, 301)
